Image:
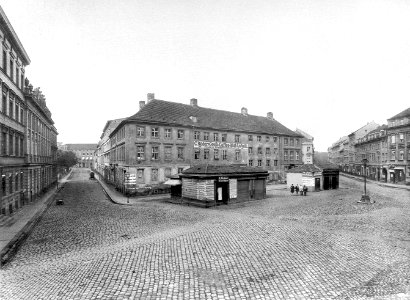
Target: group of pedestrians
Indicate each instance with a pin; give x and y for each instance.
(297, 189)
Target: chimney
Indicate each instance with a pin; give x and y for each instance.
(194, 102)
(142, 104)
(270, 115)
(244, 111)
(150, 96)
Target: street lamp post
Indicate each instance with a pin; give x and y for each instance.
(365, 197)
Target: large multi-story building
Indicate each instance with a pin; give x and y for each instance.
(27, 133)
(342, 152)
(83, 152)
(385, 148)
(163, 138)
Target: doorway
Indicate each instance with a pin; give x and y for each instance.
(222, 192)
(317, 184)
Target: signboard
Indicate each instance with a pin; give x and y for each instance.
(223, 179)
(202, 144)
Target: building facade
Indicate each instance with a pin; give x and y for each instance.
(83, 152)
(164, 138)
(308, 149)
(385, 148)
(27, 134)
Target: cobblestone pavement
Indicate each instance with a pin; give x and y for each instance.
(322, 246)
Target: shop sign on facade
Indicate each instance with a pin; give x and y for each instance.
(202, 144)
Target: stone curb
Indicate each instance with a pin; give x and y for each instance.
(375, 182)
(8, 252)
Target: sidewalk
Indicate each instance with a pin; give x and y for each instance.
(119, 198)
(15, 228)
(386, 184)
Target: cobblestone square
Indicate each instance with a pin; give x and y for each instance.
(322, 246)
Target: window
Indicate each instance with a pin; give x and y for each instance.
(21, 116)
(11, 152)
(308, 149)
(259, 138)
(267, 138)
(155, 154)
(275, 162)
(250, 150)
(155, 132)
(140, 174)
(224, 137)
(401, 137)
(21, 147)
(154, 174)
(393, 139)
(237, 138)
(11, 111)
(393, 155)
(10, 184)
(168, 133)
(224, 154)
(291, 155)
(297, 155)
(267, 151)
(180, 152)
(216, 154)
(275, 139)
(197, 135)
(17, 112)
(197, 153)
(16, 180)
(285, 141)
(16, 146)
(206, 153)
(140, 131)
(401, 155)
(4, 104)
(250, 162)
(167, 172)
(250, 138)
(285, 155)
(259, 162)
(180, 134)
(291, 142)
(11, 70)
(3, 184)
(296, 142)
(180, 170)
(268, 162)
(237, 154)
(259, 150)
(206, 136)
(168, 152)
(216, 137)
(3, 143)
(140, 153)
(4, 61)
(17, 77)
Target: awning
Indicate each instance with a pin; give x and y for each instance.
(173, 182)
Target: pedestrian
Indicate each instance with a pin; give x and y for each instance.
(297, 189)
(305, 190)
(292, 189)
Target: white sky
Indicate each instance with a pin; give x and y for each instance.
(326, 67)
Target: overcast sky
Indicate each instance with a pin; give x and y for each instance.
(326, 67)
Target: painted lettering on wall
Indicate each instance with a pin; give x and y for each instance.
(203, 144)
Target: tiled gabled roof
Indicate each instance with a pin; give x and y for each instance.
(160, 111)
(404, 113)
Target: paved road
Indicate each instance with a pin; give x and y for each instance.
(322, 246)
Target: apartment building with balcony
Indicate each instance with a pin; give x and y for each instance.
(163, 138)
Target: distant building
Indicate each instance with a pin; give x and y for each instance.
(84, 153)
(308, 149)
(386, 149)
(164, 138)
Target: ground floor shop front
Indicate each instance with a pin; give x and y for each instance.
(391, 173)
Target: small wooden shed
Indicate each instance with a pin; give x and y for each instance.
(210, 185)
(308, 175)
